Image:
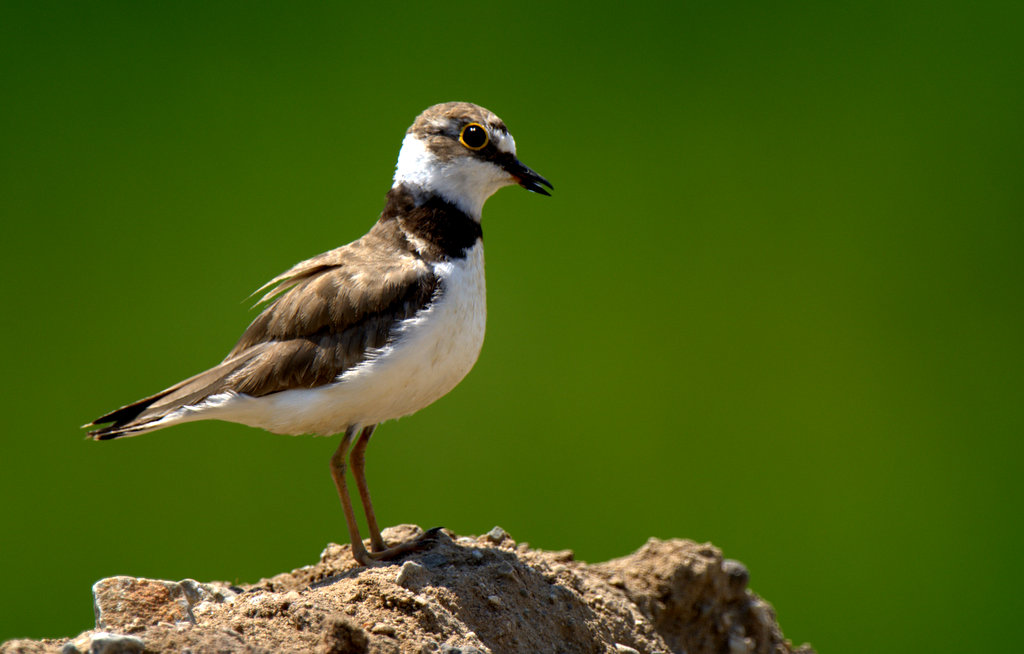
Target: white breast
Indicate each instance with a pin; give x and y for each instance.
(430, 355)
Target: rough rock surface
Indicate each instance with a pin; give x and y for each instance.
(465, 595)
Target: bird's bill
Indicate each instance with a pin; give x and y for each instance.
(526, 178)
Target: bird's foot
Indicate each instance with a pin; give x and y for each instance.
(425, 542)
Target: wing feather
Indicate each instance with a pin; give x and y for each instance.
(323, 316)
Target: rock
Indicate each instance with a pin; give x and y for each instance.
(106, 643)
(480, 595)
(130, 603)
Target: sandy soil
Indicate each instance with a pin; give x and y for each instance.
(464, 595)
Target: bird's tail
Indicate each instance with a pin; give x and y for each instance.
(126, 420)
(165, 408)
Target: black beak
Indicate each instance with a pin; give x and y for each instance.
(528, 179)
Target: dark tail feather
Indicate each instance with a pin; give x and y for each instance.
(139, 417)
(122, 419)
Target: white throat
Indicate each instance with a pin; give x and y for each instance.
(465, 181)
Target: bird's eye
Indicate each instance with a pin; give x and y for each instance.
(474, 136)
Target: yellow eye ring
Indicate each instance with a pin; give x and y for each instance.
(474, 136)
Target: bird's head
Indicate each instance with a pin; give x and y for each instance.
(463, 153)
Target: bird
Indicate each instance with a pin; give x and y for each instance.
(370, 331)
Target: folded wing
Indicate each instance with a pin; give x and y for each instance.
(324, 316)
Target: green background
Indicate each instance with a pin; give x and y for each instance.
(775, 302)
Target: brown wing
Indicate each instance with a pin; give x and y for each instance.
(323, 316)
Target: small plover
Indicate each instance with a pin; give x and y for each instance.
(373, 330)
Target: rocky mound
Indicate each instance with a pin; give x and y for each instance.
(468, 595)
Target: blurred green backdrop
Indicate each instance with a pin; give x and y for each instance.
(774, 303)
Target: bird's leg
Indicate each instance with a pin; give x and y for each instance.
(357, 459)
(338, 472)
(381, 552)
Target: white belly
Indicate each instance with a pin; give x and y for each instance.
(430, 355)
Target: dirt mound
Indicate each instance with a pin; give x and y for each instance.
(465, 595)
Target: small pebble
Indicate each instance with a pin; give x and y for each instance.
(83, 642)
(494, 601)
(738, 644)
(737, 572)
(476, 555)
(497, 534)
(332, 550)
(625, 649)
(411, 574)
(465, 649)
(383, 629)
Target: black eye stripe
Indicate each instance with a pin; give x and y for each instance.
(474, 136)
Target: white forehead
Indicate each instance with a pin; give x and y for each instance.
(504, 141)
